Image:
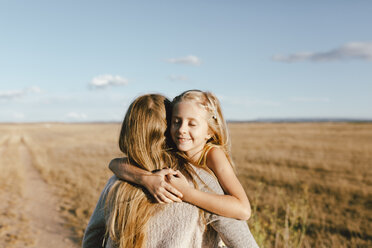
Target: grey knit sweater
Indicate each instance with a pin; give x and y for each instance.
(178, 225)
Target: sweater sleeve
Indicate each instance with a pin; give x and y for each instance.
(234, 233)
(95, 231)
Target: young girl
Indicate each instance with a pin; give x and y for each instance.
(199, 132)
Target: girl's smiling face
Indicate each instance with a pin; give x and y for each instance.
(189, 129)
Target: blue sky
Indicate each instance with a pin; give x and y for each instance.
(87, 60)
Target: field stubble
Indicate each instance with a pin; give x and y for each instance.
(309, 184)
(15, 230)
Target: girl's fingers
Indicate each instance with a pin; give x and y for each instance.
(168, 177)
(158, 200)
(172, 197)
(170, 170)
(164, 199)
(166, 171)
(179, 174)
(173, 190)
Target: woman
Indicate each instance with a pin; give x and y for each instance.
(128, 217)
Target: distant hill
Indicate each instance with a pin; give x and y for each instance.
(276, 120)
(259, 120)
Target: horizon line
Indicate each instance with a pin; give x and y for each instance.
(258, 120)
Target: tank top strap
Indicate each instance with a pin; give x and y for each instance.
(203, 158)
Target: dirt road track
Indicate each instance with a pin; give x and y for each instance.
(39, 205)
(41, 208)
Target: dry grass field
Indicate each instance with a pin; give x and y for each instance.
(310, 184)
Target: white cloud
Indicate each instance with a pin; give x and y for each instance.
(310, 99)
(33, 89)
(12, 94)
(353, 50)
(103, 81)
(175, 78)
(188, 60)
(76, 116)
(18, 115)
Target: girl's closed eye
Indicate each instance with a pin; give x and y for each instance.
(193, 123)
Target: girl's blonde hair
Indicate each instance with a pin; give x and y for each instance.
(143, 140)
(214, 117)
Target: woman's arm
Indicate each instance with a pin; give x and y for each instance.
(155, 183)
(233, 204)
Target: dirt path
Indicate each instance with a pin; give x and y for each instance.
(40, 206)
(3, 143)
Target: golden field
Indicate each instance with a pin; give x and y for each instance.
(310, 184)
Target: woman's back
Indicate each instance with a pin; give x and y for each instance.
(179, 225)
(175, 225)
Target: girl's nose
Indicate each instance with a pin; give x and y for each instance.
(182, 129)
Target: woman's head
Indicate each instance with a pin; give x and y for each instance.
(143, 141)
(197, 120)
(143, 131)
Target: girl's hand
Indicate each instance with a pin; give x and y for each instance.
(160, 189)
(180, 182)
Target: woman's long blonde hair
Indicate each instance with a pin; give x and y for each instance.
(214, 117)
(143, 140)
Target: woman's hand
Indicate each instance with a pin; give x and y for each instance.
(160, 189)
(180, 182)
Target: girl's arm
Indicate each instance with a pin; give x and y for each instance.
(234, 204)
(155, 183)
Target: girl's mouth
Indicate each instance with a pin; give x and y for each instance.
(182, 140)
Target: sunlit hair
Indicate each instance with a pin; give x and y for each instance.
(143, 141)
(216, 122)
